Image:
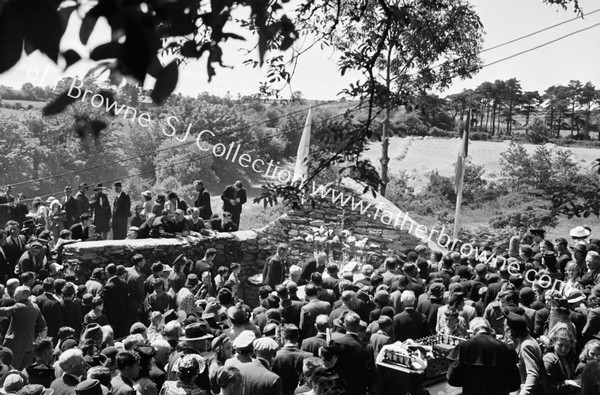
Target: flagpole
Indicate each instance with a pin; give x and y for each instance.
(459, 192)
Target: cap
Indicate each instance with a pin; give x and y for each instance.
(117, 184)
(244, 339)
(89, 387)
(539, 232)
(50, 199)
(172, 195)
(146, 351)
(35, 389)
(85, 216)
(13, 383)
(265, 344)
(97, 272)
(28, 222)
(526, 295)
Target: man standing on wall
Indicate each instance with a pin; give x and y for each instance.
(121, 212)
(234, 196)
(82, 199)
(203, 200)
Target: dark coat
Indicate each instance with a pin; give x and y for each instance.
(13, 250)
(137, 220)
(78, 232)
(52, 312)
(72, 209)
(203, 203)
(290, 311)
(308, 316)
(590, 379)
(274, 271)
(258, 380)
(288, 365)
(162, 229)
(410, 324)
(84, 202)
(145, 231)
(122, 206)
(65, 385)
(72, 315)
(100, 208)
(114, 294)
(355, 363)
(219, 227)
(484, 365)
(313, 344)
(121, 386)
(429, 307)
(230, 193)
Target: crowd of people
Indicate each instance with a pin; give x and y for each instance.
(528, 319)
(93, 218)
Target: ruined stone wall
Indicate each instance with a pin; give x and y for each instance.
(251, 248)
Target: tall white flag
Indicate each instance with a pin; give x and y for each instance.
(301, 169)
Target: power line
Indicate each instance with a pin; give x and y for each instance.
(541, 45)
(538, 31)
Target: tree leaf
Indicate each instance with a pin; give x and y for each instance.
(71, 57)
(165, 83)
(11, 37)
(59, 104)
(87, 27)
(106, 51)
(43, 26)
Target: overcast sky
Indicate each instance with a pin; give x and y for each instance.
(575, 57)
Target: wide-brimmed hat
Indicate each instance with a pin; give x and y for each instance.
(575, 296)
(147, 193)
(213, 309)
(196, 331)
(83, 185)
(50, 199)
(579, 231)
(539, 232)
(237, 313)
(89, 387)
(98, 187)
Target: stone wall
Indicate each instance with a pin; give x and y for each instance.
(298, 228)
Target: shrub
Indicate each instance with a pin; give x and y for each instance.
(480, 136)
(437, 132)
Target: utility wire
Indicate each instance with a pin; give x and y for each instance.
(538, 31)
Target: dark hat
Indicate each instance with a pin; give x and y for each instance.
(45, 236)
(273, 301)
(581, 247)
(180, 258)
(526, 295)
(270, 329)
(526, 248)
(40, 374)
(121, 270)
(67, 188)
(160, 198)
(213, 309)
(117, 184)
(538, 232)
(225, 296)
(376, 279)
(146, 352)
(85, 216)
(191, 281)
(190, 319)
(196, 331)
(111, 353)
(237, 313)
(464, 272)
(219, 340)
(516, 322)
(98, 187)
(93, 331)
(172, 195)
(83, 185)
(87, 300)
(437, 289)
(139, 207)
(111, 269)
(170, 315)
(68, 343)
(89, 387)
(28, 223)
(97, 272)
(97, 360)
(382, 298)
(35, 389)
(157, 267)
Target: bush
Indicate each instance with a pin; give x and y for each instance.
(482, 136)
(437, 132)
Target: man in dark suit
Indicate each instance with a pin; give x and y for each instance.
(290, 309)
(115, 296)
(74, 366)
(5, 206)
(100, 208)
(203, 200)
(71, 207)
(409, 324)
(288, 361)
(311, 266)
(313, 344)
(355, 364)
(128, 365)
(80, 231)
(135, 280)
(428, 304)
(50, 308)
(310, 311)
(121, 212)
(484, 365)
(409, 280)
(234, 196)
(71, 310)
(14, 248)
(82, 199)
(275, 267)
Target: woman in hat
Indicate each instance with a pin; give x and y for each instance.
(222, 350)
(40, 210)
(187, 368)
(100, 208)
(55, 224)
(148, 203)
(572, 279)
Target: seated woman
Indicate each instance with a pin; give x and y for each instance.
(559, 364)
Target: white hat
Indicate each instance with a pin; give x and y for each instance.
(579, 231)
(244, 339)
